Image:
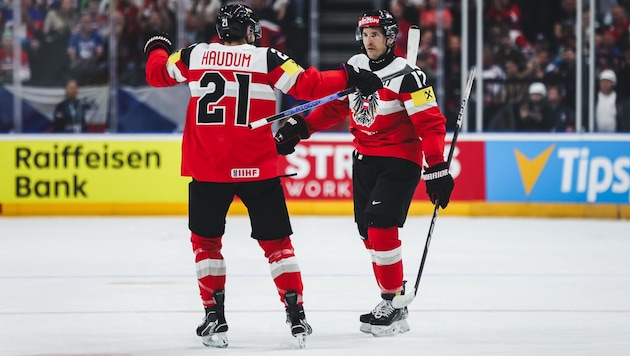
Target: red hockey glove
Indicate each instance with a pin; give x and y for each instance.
(366, 81)
(158, 40)
(289, 135)
(439, 183)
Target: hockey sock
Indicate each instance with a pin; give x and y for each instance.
(210, 267)
(386, 258)
(285, 270)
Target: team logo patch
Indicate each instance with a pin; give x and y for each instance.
(423, 96)
(364, 109)
(290, 67)
(245, 173)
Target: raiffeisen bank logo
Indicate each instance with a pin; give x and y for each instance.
(564, 171)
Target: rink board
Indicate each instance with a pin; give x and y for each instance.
(542, 175)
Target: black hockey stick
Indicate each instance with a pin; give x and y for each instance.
(315, 103)
(401, 301)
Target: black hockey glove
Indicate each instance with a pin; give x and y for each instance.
(157, 40)
(439, 183)
(366, 81)
(289, 135)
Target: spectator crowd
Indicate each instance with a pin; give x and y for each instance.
(529, 60)
(529, 50)
(70, 39)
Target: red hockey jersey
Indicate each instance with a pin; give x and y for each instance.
(401, 120)
(230, 87)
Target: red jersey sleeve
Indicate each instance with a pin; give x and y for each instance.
(327, 115)
(305, 84)
(163, 70)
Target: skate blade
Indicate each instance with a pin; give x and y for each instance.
(218, 340)
(301, 340)
(366, 328)
(397, 327)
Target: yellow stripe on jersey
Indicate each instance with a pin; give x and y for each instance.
(174, 58)
(423, 96)
(290, 67)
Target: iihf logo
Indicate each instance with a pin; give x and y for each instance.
(245, 173)
(364, 109)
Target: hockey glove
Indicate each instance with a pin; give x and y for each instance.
(366, 81)
(289, 135)
(439, 183)
(158, 40)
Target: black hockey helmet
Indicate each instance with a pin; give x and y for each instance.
(233, 21)
(378, 18)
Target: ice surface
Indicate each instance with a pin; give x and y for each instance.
(491, 286)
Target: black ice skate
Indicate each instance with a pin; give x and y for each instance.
(385, 320)
(213, 330)
(297, 319)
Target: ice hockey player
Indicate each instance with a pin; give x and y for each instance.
(231, 84)
(393, 129)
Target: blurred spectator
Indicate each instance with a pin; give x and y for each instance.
(130, 43)
(49, 58)
(452, 72)
(607, 106)
(427, 46)
(541, 63)
(619, 24)
(6, 60)
(429, 14)
(59, 23)
(397, 9)
(85, 50)
(69, 115)
(565, 115)
(603, 13)
(493, 76)
(32, 18)
(563, 73)
(157, 16)
(516, 84)
(535, 114)
(493, 86)
(201, 20)
(503, 13)
(564, 28)
(99, 19)
(505, 48)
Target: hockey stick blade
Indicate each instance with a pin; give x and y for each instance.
(401, 301)
(315, 103)
(413, 42)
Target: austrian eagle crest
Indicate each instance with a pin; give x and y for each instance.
(364, 109)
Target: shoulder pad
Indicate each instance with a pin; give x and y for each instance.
(185, 55)
(413, 81)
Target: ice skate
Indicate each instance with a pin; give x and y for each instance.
(385, 320)
(213, 330)
(297, 319)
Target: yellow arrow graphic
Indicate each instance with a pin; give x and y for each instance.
(530, 169)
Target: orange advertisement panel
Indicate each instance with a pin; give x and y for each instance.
(323, 169)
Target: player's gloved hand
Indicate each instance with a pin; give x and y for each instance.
(439, 183)
(289, 135)
(366, 81)
(158, 40)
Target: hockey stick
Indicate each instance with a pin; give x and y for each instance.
(401, 301)
(315, 103)
(413, 42)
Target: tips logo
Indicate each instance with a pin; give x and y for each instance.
(530, 169)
